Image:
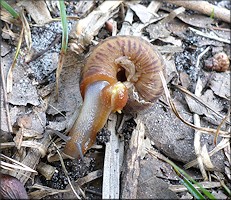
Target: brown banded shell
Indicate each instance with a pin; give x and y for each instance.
(104, 64)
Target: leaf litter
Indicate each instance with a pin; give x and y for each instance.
(33, 108)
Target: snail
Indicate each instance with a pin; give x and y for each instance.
(121, 72)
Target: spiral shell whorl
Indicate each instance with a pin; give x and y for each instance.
(101, 65)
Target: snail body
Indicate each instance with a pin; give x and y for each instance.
(121, 72)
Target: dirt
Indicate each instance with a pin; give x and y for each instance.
(33, 107)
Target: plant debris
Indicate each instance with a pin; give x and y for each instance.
(189, 123)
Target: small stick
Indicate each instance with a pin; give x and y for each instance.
(34, 57)
(197, 136)
(201, 102)
(205, 184)
(173, 107)
(210, 36)
(204, 7)
(200, 56)
(224, 143)
(196, 118)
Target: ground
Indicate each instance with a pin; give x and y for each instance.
(188, 124)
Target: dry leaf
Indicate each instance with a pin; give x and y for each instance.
(196, 20)
(210, 99)
(23, 92)
(37, 10)
(220, 84)
(142, 12)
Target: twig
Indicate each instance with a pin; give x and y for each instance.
(9, 81)
(57, 19)
(209, 35)
(83, 32)
(196, 118)
(32, 159)
(57, 110)
(30, 143)
(34, 57)
(66, 174)
(201, 102)
(197, 136)
(90, 177)
(43, 191)
(6, 104)
(220, 125)
(26, 30)
(173, 107)
(172, 15)
(114, 28)
(127, 23)
(93, 192)
(16, 165)
(204, 7)
(200, 56)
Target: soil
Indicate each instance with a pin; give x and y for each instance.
(33, 108)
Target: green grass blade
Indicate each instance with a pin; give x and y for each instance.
(212, 14)
(64, 25)
(9, 80)
(191, 188)
(64, 44)
(9, 9)
(181, 173)
(226, 188)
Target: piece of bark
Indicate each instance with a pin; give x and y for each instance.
(37, 10)
(111, 173)
(85, 29)
(132, 166)
(32, 159)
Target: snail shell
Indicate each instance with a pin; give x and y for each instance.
(110, 61)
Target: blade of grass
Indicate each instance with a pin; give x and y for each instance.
(190, 187)
(226, 188)
(16, 165)
(212, 14)
(26, 29)
(181, 173)
(10, 9)
(64, 26)
(9, 81)
(64, 44)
